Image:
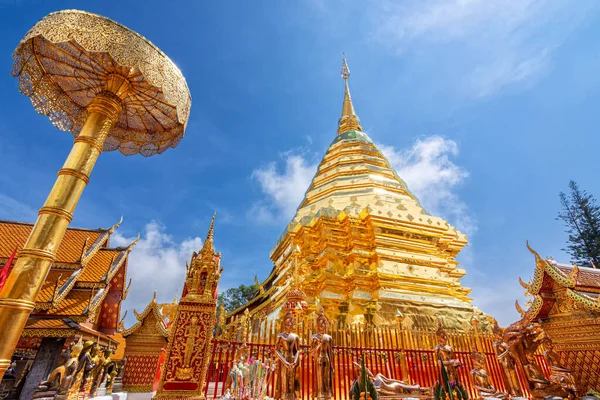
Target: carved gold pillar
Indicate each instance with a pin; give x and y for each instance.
(17, 298)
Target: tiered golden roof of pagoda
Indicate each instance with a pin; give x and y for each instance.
(79, 280)
(360, 234)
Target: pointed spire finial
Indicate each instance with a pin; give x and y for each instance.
(211, 230)
(349, 120)
(208, 246)
(345, 69)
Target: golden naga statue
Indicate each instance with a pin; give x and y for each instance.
(558, 374)
(507, 363)
(445, 354)
(287, 350)
(61, 380)
(322, 352)
(481, 379)
(523, 339)
(391, 387)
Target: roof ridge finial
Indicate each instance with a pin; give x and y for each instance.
(349, 120)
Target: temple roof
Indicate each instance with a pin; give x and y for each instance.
(151, 320)
(581, 285)
(81, 277)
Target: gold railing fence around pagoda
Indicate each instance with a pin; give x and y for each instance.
(386, 350)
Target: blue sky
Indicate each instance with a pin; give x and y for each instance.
(486, 108)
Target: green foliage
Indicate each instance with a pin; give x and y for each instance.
(234, 298)
(581, 216)
(361, 383)
(447, 389)
(592, 392)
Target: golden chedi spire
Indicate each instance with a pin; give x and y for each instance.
(349, 120)
(369, 246)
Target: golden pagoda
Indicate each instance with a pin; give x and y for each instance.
(362, 245)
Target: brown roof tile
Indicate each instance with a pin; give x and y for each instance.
(587, 277)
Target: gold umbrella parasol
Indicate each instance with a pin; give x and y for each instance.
(113, 90)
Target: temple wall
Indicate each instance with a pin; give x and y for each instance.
(576, 338)
(143, 356)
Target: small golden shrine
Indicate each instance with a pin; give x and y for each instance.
(566, 300)
(145, 341)
(186, 362)
(362, 245)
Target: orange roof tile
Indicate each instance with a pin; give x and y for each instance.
(74, 303)
(47, 291)
(46, 324)
(98, 266)
(14, 235)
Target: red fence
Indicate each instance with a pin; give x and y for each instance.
(421, 364)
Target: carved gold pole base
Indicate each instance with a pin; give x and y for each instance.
(17, 298)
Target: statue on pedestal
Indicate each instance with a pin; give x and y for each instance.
(87, 364)
(481, 379)
(445, 354)
(118, 379)
(62, 379)
(392, 387)
(507, 363)
(287, 350)
(322, 353)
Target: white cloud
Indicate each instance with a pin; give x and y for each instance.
(284, 190)
(433, 177)
(484, 45)
(15, 210)
(426, 167)
(157, 262)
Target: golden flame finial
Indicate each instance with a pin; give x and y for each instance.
(349, 120)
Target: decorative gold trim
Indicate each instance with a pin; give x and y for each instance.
(75, 173)
(59, 212)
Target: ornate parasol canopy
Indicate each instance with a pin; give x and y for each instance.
(69, 56)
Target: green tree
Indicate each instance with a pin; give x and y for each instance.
(581, 216)
(234, 298)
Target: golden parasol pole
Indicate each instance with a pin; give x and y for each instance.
(111, 94)
(17, 298)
